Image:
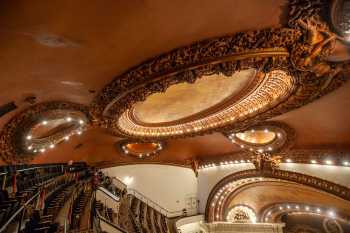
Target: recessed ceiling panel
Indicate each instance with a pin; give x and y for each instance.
(184, 99)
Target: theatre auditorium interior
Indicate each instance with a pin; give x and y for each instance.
(174, 116)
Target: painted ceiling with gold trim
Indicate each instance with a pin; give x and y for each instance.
(173, 82)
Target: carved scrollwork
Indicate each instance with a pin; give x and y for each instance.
(299, 50)
(314, 182)
(13, 146)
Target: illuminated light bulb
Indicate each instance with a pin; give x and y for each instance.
(266, 130)
(42, 150)
(248, 161)
(69, 119)
(35, 151)
(269, 148)
(251, 149)
(279, 135)
(29, 137)
(329, 162)
(242, 146)
(307, 208)
(318, 210)
(30, 147)
(260, 150)
(331, 214)
(281, 208)
(242, 161)
(81, 122)
(346, 163)
(213, 204)
(66, 138)
(52, 146)
(288, 160)
(313, 161)
(236, 161)
(79, 132)
(288, 207)
(44, 122)
(297, 207)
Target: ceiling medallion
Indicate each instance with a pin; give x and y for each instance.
(41, 128)
(140, 150)
(265, 137)
(267, 72)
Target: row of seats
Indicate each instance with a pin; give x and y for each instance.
(8, 206)
(55, 185)
(79, 205)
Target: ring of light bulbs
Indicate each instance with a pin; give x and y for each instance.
(217, 204)
(123, 146)
(277, 209)
(283, 139)
(40, 145)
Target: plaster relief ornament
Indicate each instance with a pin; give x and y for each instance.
(283, 68)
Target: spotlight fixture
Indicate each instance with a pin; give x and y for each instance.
(44, 122)
(313, 161)
(29, 137)
(288, 160)
(69, 119)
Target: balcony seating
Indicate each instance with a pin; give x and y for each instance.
(79, 205)
(8, 206)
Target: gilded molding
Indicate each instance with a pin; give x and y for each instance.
(284, 137)
(299, 49)
(12, 136)
(311, 181)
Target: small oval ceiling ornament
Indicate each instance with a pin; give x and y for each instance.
(40, 128)
(140, 150)
(291, 70)
(266, 137)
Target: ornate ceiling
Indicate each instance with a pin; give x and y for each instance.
(190, 83)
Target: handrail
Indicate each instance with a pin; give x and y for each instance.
(3, 228)
(109, 223)
(108, 193)
(155, 205)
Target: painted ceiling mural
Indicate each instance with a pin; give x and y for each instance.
(231, 85)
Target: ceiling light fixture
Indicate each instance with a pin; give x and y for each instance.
(329, 162)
